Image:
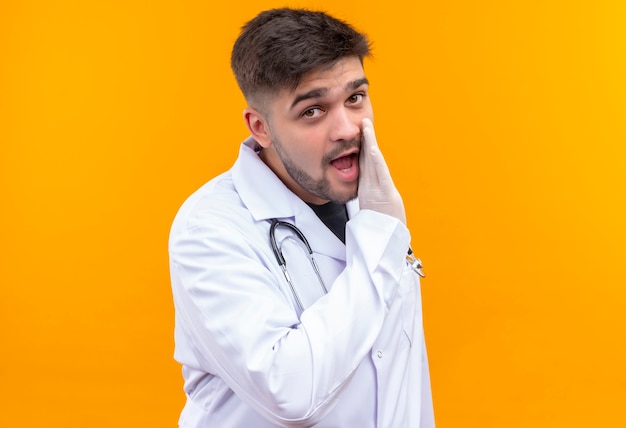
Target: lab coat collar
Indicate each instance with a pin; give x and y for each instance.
(262, 192)
(266, 197)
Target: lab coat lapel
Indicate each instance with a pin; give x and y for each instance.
(320, 237)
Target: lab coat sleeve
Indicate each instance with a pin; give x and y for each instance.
(243, 330)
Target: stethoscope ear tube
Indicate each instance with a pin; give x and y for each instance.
(277, 253)
(283, 263)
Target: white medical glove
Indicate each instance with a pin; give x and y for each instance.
(376, 189)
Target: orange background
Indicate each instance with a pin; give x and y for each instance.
(503, 124)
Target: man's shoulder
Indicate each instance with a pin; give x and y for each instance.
(212, 204)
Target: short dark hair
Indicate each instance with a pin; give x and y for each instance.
(279, 46)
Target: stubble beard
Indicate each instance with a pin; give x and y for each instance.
(321, 188)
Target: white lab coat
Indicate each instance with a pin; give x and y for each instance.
(354, 358)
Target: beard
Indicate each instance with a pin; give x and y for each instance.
(322, 187)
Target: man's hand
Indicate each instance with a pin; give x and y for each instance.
(376, 189)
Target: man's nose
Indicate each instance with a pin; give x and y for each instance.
(345, 125)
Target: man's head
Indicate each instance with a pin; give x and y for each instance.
(302, 75)
(279, 46)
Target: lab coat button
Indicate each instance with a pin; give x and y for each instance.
(379, 354)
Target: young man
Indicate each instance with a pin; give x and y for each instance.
(267, 337)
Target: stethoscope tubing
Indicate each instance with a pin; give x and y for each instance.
(280, 258)
(414, 262)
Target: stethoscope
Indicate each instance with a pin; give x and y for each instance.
(414, 262)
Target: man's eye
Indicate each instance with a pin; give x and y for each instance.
(312, 112)
(355, 99)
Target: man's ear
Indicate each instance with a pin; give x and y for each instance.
(258, 126)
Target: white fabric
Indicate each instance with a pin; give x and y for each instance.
(354, 358)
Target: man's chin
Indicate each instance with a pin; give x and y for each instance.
(343, 197)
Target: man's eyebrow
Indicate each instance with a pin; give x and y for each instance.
(314, 93)
(320, 92)
(358, 83)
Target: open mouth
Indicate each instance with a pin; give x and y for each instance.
(345, 163)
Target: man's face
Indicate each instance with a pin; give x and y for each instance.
(315, 133)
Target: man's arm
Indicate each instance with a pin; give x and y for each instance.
(245, 331)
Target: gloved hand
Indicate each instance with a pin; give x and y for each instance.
(376, 189)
